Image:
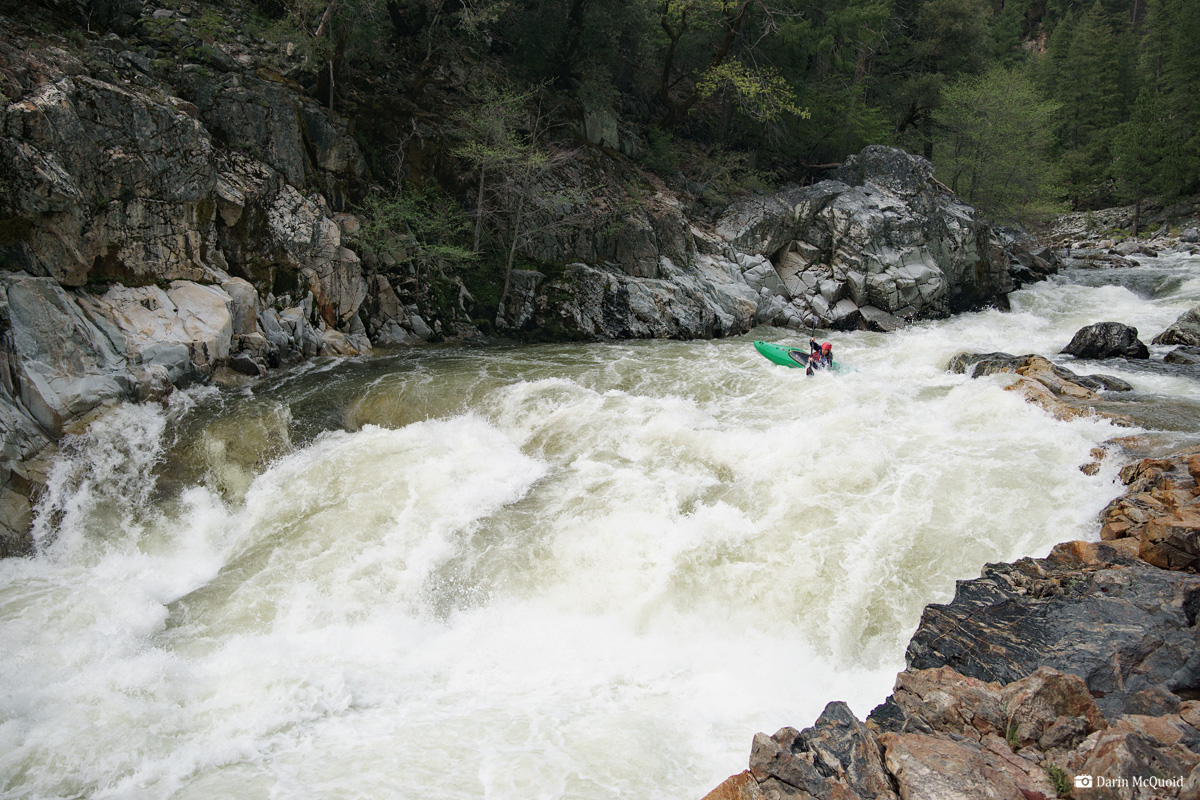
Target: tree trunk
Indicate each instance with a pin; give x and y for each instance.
(502, 309)
(677, 109)
(571, 38)
(664, 83)
(479, 210)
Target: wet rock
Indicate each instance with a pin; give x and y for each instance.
(197, 317)
(879, 243)
(1119, 624)
(1088, 259)
(1056, 389)
(1106, 340)
(1133, 247)
(57, 368)
(1184, 331)
(877, 320)
(1029, 266)
(1185, 354)
(62, 366)
(936, 768)
(246, 364)
(838, 757)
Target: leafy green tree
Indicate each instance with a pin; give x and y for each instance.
(995, 144)
(700, 57)
(413, 226)
(507, 147)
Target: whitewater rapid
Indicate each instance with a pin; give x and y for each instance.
(584, 571)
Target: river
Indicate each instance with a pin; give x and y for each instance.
(559, 571)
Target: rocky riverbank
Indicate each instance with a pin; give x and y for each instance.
(1038, 679)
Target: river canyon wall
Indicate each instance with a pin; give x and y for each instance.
(172, 212)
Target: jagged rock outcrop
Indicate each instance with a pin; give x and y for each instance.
(1159, 516)
(159, 227)
(881, 240)
(1119, 623)
(218, 174)
(1080, 666)
(881, 244)
(1106, 340)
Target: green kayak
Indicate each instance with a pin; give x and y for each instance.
(786, 356)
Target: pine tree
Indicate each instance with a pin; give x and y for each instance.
(1173, 69)
(1083, 77)
(1141, 148)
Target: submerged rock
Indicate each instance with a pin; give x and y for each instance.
(1056, 389)
(1030, 266)
(1184, 354)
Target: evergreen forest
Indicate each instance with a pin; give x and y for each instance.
(1025, 106)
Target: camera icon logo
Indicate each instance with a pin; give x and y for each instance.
(1083, 781)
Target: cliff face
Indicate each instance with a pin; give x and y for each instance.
(173, 209)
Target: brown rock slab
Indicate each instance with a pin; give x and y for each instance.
(1173, 541)
(935, 768)
(742, 786)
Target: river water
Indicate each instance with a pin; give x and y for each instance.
(569, 571)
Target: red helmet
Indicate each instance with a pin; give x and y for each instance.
(826, 346)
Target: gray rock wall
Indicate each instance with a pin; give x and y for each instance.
(881, 241)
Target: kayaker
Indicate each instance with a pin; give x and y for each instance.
(820, 357)
(814, 362)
